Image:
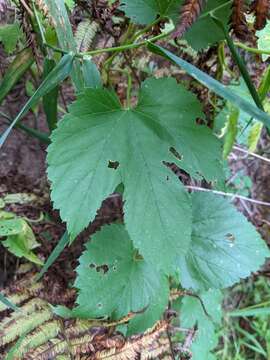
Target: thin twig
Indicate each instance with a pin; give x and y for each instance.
(234, 196)
(249, 153)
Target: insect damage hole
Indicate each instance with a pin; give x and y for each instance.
(113, 164)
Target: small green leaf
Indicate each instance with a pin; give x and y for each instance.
(264, 40)
(56, 76)
(9, 36)
(192, 314)
(231, 131)
(204, 32)
(254, 136)
(91, 74)
(11, 226)
(213, 85)
(113, 278)
(225, 247)
(20, 239)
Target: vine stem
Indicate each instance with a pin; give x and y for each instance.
(113, 49)
(251, 49)
(249, 153)
(234, 196)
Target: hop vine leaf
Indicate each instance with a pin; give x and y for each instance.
(204, 32)
(114, 278)
(225, 247)
(98, 132)
(146, 11)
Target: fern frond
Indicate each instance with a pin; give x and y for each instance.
(238, 20)
(261, 9)
(190, 11)
(85, 34)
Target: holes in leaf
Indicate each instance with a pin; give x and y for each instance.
(99, 268)
(231, 238)
(113, 164)
(100, 305)
(176, 154)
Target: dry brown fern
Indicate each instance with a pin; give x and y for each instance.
(43, 336)
(261, 10)
(190, 11)
(238, 20)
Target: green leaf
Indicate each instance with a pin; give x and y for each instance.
(225, 247)
(192, 313)
(9, 36)
(204, 32)
(254, 136)
(11, 226)
(15, 71)
(231, 131)
(214, 85)
(146, 11)
(20, 239)
(98, 133)
(56, 76)
(113, 278)
(264, 40)
(91, 74)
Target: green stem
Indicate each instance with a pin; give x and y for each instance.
(144, 30)
(242, 67)
(113, 49)
(251, 49)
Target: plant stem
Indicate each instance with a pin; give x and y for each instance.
(251, 49)
(113, 49)
(241, 65)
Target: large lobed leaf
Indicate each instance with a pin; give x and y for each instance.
(98, 132)
(113, 277)
(224, 248)
(199, 35)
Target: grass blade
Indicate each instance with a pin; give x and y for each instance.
(58, 13)
(213, 85)
(50, 99)
(54, 254)
(250, 312)
(240, 63)
(57, 75)
(15, 71)
(8, 303)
